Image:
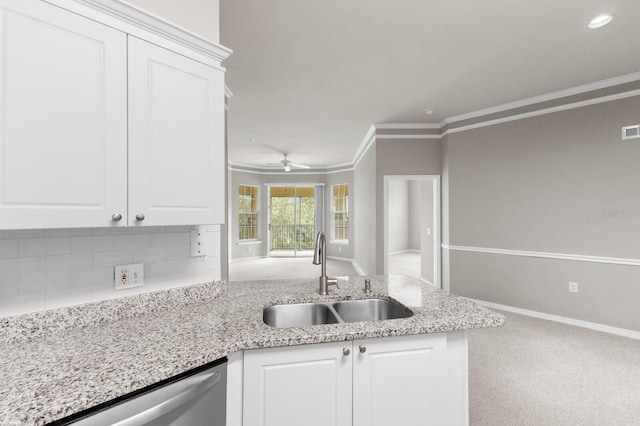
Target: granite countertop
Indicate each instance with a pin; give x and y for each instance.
(59, 362)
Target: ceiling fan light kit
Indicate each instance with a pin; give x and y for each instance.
(287, 164)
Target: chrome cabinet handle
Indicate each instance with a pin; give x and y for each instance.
(346, 351)
(363, 349)
(140, 217)
(116, 217)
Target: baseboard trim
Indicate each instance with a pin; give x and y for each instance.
(393, 253)
(242, 259)
(546, 255)
(352, 261)
(565, 320)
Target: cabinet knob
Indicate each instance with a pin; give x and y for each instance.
(116, 217)
(363, 349)
(346, 351)
(140, 217)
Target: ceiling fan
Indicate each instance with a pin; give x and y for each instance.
(287, 164)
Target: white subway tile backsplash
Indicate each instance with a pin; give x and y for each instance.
(208, 275)
(31, 284)
(203, 263)
(65, 263)
(59, 267)
(131, 242)
(169, 268)
(112, 258)
(178, 253)
(21, 304)
(93, 244)
(34, 247)
(92, 278)
(8, 249)
(172, 239)
(21, 267)
(74, 296)
(150, 255)
(8, 286)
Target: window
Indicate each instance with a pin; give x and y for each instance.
(248, 212)
(340, 210)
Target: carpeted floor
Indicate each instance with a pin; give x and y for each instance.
(537, 372)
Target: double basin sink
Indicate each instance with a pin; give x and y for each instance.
(306, 314)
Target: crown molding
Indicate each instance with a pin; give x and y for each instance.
(126, 13)
(371, 136)
(406, 126)
(401, 136)
(577, 90)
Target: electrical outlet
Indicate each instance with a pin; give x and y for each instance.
(573, 287)
(129, 276)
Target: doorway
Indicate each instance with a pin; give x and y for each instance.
(292, 220)
(412, 226)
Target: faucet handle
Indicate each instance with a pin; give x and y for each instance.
(333, 281)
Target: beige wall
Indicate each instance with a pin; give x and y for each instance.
(201, 17)
(364, 181)
(400, 157)
(548, 184)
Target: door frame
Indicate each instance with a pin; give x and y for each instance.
(268, 205)
(437, 225)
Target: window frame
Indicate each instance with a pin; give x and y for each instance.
(345, 212)
(254, 228)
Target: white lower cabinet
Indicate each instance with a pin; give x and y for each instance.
(408, 380)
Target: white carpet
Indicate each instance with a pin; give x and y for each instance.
(270, 268)
(537, 372)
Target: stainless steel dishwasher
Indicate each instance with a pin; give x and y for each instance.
(196, 398)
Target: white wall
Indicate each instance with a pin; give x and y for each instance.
(201, 17)
(399, 216)
(44, 269)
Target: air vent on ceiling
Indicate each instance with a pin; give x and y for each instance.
(631, 132)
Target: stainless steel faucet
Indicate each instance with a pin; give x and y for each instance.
(320, 258)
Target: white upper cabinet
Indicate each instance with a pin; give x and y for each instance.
(176, 133)
(101, 128)
(63, 115)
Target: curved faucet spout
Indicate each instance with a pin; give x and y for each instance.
(319, 248)
(320, 258)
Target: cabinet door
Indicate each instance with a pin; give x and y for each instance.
(401, 381)
(299, 385)
(63, 115)
(176, 138)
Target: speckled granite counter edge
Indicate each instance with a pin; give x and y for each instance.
(24, 327)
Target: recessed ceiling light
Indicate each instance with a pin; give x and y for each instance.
(429, 111)
(600, 21)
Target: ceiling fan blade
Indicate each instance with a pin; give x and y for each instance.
(300, 166)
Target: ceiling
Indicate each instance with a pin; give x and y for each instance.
(310, 77)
